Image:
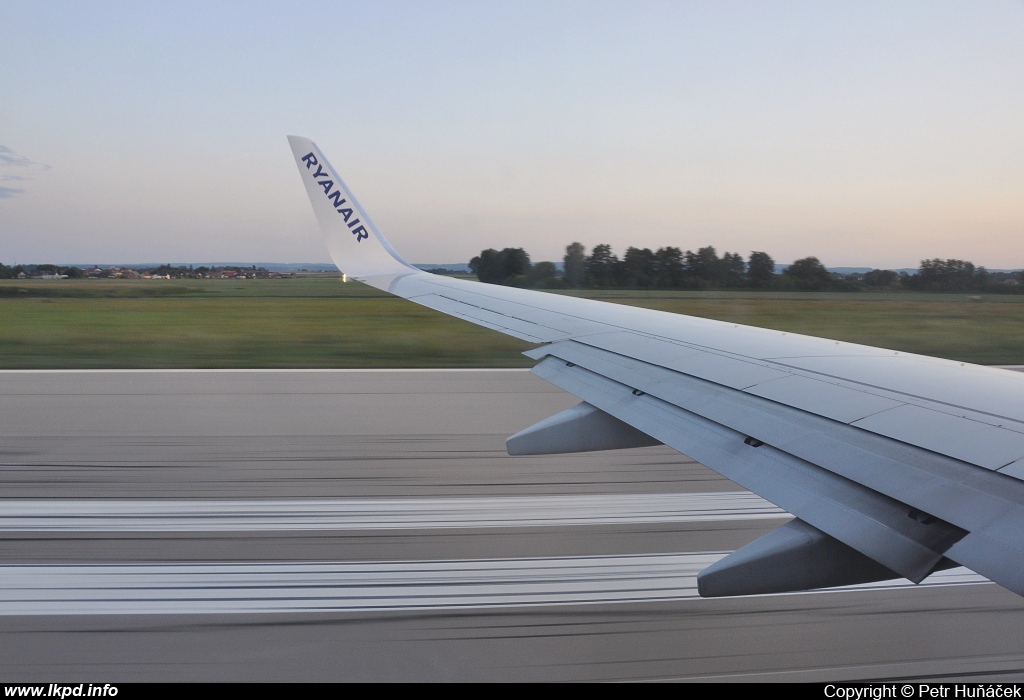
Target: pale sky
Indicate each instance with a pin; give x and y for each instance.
(863, 133)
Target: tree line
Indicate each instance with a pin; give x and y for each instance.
(672, 268)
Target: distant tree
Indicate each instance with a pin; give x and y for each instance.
(575, 264)
(733, 270)
(703, 265)
(809, 274)
(760, 270)
(881, 278)
(669, 266)
(516, 264)
(75, 273)
(949, 276)
(638, 267)
(509, 266)
(543, 274)
(602, 266)
(981, 278)
(486, 268)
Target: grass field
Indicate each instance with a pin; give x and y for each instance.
(320, 322)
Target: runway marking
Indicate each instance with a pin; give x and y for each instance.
(380, 514)
(145, 589)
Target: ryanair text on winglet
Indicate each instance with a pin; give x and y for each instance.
(335, 197)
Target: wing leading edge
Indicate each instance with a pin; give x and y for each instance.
(893, 464)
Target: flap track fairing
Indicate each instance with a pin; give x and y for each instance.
(582, 428)
(795, 557)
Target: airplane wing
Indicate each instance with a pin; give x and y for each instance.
(893, 464)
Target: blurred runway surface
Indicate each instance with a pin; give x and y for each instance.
(368, 525)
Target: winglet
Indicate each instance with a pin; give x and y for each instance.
(356, 245)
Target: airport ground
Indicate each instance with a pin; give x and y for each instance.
(368, 525)
(319, 322)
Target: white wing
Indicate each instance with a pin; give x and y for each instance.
(893, 464)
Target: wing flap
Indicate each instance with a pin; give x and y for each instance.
(871, 523)
(978, 443)
(994, 395)
(993, 558)
(839, 403)
(910, 474)
(727, 371)
(928, 485)
(643, 347)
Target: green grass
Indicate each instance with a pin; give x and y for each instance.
(306, 286)
(317, 321)
(987, 331)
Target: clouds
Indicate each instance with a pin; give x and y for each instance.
(9, 159)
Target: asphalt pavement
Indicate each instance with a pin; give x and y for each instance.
(368, 525)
